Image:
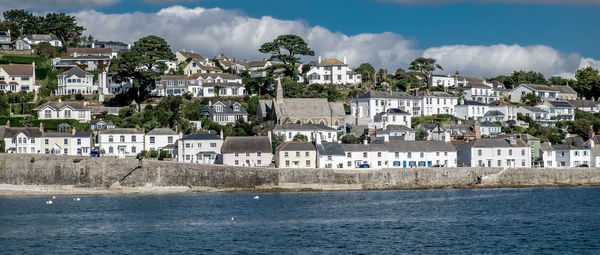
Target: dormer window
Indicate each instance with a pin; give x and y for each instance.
(218, 108)
(236, 108)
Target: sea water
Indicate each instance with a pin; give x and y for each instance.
(479, 221)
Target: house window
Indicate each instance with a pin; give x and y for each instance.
(499, 162)
(67, 114)
(187, 157)
(365, 154)
(510, 152)
(48, 114)
(287, 163)
(410, 155)
(66, 141)
(522, 152)
(259, 162)
(285, 154)
(237, 162)
(45, 141)
(479, 153)
(236, 155)
(110, 149)
(213, 145)
(187, 145)
(110, 138)
(523, 162)
(79, 141)
(308, 163)
(349, 154)
(258, 154)
(66, 151)
(422, 155)
(133, 138)
(379, 154)
(133, 149)
(297, 154)
(152, 139)
(122, 138)
(170, 139)
(499, 152)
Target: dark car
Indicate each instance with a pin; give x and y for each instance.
(363, 166)
(583, 165)
(95, 154)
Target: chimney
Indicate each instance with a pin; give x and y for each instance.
(319, 59)
(180, 135)
(42, 127)
(386, 138)
(176, 129)
(344, 59)
(8, 123)
(365, 141)
(318, 138)
(209, 103)
(592, 133)
(477, 130)
(221, 133)
(269, 134)
(59, 100)
(73, 131)
(93, 45)
(144, 130)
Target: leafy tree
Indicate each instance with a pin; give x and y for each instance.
(588, 82)
(145, 52)
(293, 44)
(366, 71)
(63, 26)
(381, 77)
(23, 22)
(402, 80)
(45, 49)
(276, 140)
(557, 80)
(531, 99)
(425, 67)
(350, 139)
(13, 27)
(421, 134)
(522, 77)
(300, 138)
(581, 127)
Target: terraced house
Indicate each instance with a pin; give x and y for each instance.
(16, 78)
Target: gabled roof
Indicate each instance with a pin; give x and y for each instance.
(39, 37)
(331, 62)
(564, 89)
(76, 71)
(296, 146)
(225, 76)
(471, 102)
(308, 107)
(500, 103)
(121, 131)
(18, 69)
(435, 94)
(494, 143)
(70, 51)
(330, 149)
(28, 131)
(493, 113)
(583, 103)
(532, 108)
(561, 104)
(60, 105)
(189, 54)
(162, 131)
(302, 127)
(477, 85)
(250, 144)
(539, 87)
(201, 137)
(364, 147)
(420, 146)
(398, 128)
(488, 124)
(385, 94)
(228, 108)
(107, 122)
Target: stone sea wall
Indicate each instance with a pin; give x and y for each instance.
(108, 173)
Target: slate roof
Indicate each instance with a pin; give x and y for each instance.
(81, 134)
(121, 131)
(364, 147)
(201, 137)
(471, 102)
(435, 94)
(398, 128)
(494, 113)
(71, 51)
(385, 94)
(546, 146)
(564, 89)
(189, 54)
(226, 76)
(88, 57)
(477, 85)
(60, 105)
(583, 103)
(533, 109)
(302, 127)
(488, 124)
(567, 146)
(308, 108)
(258, 63)
(420, 146)
(296, 146)
(246, 144)
(76, 71)
(330, 149)
(500, 103)
(494, 143)
(331, 62)
(107, 122)
(540, 87)
(227, 109)
(18, 69)
(222, 84)
(29, 131)
(39, 37)
(561, 104)
(162, 131)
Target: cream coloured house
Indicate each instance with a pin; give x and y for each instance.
(64, 110)
(16, 78)
(76, 81)
(296, 155)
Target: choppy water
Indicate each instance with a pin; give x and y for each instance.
(494, 221)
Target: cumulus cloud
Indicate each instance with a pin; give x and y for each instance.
(215, 31)
(45, 5)
(435, 2)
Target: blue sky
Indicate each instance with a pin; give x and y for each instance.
(566, 27)
(478, 37)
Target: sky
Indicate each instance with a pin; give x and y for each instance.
(477, 37)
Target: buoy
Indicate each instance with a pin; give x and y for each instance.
(232, 218)
(256, 197)
(53, 197)
(49, 202)
(78, 199)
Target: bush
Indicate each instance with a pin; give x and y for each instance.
(77, 160)
(32, 159)
(79, 97)
(142, 154)
(165, 154)
(153, 154)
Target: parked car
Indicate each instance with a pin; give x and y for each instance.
(94, 153)
(364, 166)
(583, 165)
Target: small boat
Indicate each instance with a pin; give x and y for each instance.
(256, 197)
(49, 202)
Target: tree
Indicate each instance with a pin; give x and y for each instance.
(45, 49)
(276, 140)
(350, 139)
(145, 52)
(293, 44)
(421, 134)
(26, 23)
(588, 82)
(64, 27)
(12, 26)
(366, 71)
(300, 138)
(522, 77)
(425, 67)
(557, 80)
(531, 99)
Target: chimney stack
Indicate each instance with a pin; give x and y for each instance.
(477, 130)
(221, 133)
(345, 60)
(269, 134)
(73, 131)
(319, 59)
(42, 127)
(8, 123)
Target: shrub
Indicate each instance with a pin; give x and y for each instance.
(153, 154)
(165, 154)
(79, 97)
(77, 160)
(32, 159)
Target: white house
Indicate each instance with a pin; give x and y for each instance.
(292, 129)
(224, 112)
(23, 139)
(76, 81)
(121, 142)
(446, 81)
(72, 143)
(196, 66)
(471, 110)
(364, 108)
(392, 116)
(24, 42)
(419, 154)
(199, 148)
(543, 91)
(481, 93)
(92, 58)
(200, 85)
(490, 129)
(394, 132)
(566, 155)
(495, 152)
(330, 155)
(258, 68)
(586, 105)
(160, 138)
(64, 110)
(184, 55)
(508, 110)
(332, 71)
(371, 156)
(16, 78)
(560, 110)
(437, 103)
(594, 144)
(107, 86)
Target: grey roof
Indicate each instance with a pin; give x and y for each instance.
(222, 84)
(226, 76)
(385, 94)
(18, 69)
(477, 85)
(583, 103)
(562, 104)
(302, 127)
(330, 149)
(81, 134)
(40, 37)
(420, 146)
(295, 108)
(398, 128)
(435, 94)
(296, 146)
(120, 131)
(494, 143)
(539, 87)
(493, 113)
(60, 105)
(108, 122)
(228, 109)
(565, 146)
(201, 137)
(533, 109)
(162, 131)
(189, 54)
(471, 102)
(29, 131)
(76, 71)
(564, 89)
(364, 147)
(246, 144)
(258, 63)
(488, 124)
(546, 146)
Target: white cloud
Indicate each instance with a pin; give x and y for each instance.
(214, 31)
(435, 2)
(46, 5)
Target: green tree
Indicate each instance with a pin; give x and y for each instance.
(557, 80)
(350, 139)
(425, 67)
(13, 27)
(276, 140)
(522, 77)
(588, 82)
(421, 134)
(300, 138)
(45, 49)
(531, 99)
(64, 27)
(287, 48)
(145, 52)
(581, 127)
(366, 71)
(26, 23)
